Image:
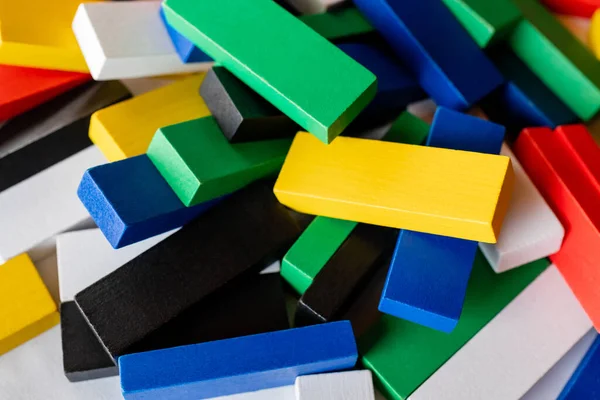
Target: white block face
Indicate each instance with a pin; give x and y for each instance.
(530, 231)
(44, 205)
(85, 257)
(351, 385)
(127, 39)
(516, 349)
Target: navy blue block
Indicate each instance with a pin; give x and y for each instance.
(188, 52)
(585, 382)
(237, 365)
(430, 41)
(130, 201)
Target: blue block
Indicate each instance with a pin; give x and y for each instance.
(188, 52)
(237, 365)
(585, 382)
(431, 42)
(130, 201)
(428, 277)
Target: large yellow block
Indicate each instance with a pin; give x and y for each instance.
(125, 129)
(37, 33)
(594, 34)
(426, 189)
(26, 307)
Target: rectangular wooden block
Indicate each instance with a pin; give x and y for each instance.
(263, 45)
(237, 365)
(27, 307)
(187, 267)
(125, 129)
(512, 352)
(186, 50)
(350, 385)
(127, 39)
(424, 189)
(339, 25)
(584, 382)
(456, 74)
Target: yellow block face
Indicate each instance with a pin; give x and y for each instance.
(125, 129)
(426, 189)
(26, 307)
(37, 33)
(594, 34)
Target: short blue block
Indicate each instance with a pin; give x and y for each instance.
(585, 381)
(237, 365)
(130, 201)
(188, 52)
(431, 42)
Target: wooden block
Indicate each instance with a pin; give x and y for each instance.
(339, 25)
(112, 192)
(188, 266)
(582, 8)
(125, 130)
(186, 50)
(574, 73)
(242, 114)
(456, 75)
(584, 382)
(25, 88)
(350, 385)
(354, 262)
(594, 34)
(48, 41)
(334, 100)
(408, 129)
(578, 26)
(237, 365)
(530, 231)
(314, 6)
(28, 308)
(393, 339)
(127, 40)
(511, 353)
(337, 181)
(44, 205)
(202, 167)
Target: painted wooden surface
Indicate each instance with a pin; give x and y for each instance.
(582, 8)
(351, 385)
(585, 381)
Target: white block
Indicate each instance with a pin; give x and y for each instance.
(313, 6)
(517, 348)
(85, 257)
(127, 39)
(48, 270)
(44, 205)
(350, 385)
(530, 231)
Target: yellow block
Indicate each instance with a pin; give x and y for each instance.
(37, 33)
(26, 307)
(125, 129)
(426, 189)
(594, 34)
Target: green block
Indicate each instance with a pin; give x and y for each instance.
(301, 73)
(338, 24)
(560, 60)
(408, 129)
(402, 355)
(200, 164)
(486, 21)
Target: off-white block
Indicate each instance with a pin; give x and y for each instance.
(350, 385)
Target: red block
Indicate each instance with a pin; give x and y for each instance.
(564, 166)
(580, 8)
(22, 88)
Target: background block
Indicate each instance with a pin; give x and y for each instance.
(339, 25)
(351, 385)
(584, 382)
(408, 129)
(582, 8)
(186, 50)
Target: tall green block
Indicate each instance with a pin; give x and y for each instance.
(560, 60)
(338, 24)
(279, 57)
(486, 21)
(200, 164)
(402, 355)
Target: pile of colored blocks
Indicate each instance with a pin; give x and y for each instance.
(299, 199)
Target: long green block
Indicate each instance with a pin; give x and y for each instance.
(338, 24)
(560, 60)
(486, 21)
(200, 164)
(289, 64)
(402, 355)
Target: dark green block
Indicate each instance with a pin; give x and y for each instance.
(338, 24)
(408, 129)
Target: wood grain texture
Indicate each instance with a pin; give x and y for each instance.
(511, 353)
(424, 189)
(351, 385)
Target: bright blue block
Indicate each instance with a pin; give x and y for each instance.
(237, 365)
(585, 382)
(130, 201)
(436, 48)
(188, 52)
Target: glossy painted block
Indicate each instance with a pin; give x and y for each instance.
(27, 307)
(187, 51)
(350, 385)
(337, 181)
(338, 25)
(262, 58)
(237, 365)
(200, 165)
(594, 34)
(584, 383)
(581, 8)
(125, 130)
(454, 72)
